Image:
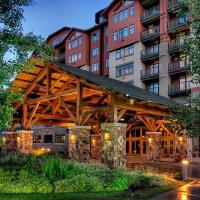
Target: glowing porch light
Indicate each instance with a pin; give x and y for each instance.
(150, 140)
(4, 140)
(185, 162)
(73, 138)
(93, 141)
(161, 129)
(180, 139)
(18, 139)
(107, 136)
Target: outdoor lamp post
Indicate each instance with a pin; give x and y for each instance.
(185, 168)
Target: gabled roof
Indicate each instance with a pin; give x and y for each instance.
(117, 86)
(57, 32)
(106, 10)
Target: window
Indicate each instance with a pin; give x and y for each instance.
(95, 52)
(123, 33)
(75, 43)
(123, 15)
(124, 70)
(132, 10)
(79, 56)
(48, 138)
(60, 139)
(75, 57)
(95, 67)
(115, 36)
(132, 29)
(107, 63)
(124, 52)
(115, 18)
(37, 138)
(128, 2)
(95, 37)
(154, 88)
(58, 40)
(69, 59)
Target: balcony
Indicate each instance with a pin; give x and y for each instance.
(150, 34)
(178, 67)
(150, 15)
(150, 74)
(178, 24)
(150, 53)
(176, 46)
(149, 2)
(173, 5)
(179, 89)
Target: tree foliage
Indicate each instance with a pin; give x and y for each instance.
(189, 117)
(15, 49)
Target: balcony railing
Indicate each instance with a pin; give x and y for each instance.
(150, 34)
(149, 74)
(149, 2)
(180, 88)
(178, 66)
(176, 45)
(179, 23)
(150, 53)
(150, 14)
(174, 4)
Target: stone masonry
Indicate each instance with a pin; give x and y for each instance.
(79, 143)
(114, 145)
(9, 141)
(154, 146)
(96, 147)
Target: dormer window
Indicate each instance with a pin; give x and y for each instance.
(95, 37)
(128, 2)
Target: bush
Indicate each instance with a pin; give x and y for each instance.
(118, 184)
(23, 182)
(81, 183)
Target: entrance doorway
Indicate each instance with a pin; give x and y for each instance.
(167, 144)
(136, 141)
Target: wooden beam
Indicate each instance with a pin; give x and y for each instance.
(32, 114)
(68, 110)
(48, 80)
(24, 117)
(50, 116)
(51, 96)
(121, 113)
(55, 83)
(36, 80)
(79, 92)
(145, 109)
(87, 118)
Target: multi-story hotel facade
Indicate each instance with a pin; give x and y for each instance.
(140, 42)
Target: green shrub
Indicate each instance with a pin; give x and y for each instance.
(23, 182)
(80, 183)
(118, 184)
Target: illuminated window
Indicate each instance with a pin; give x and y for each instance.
(60, 139)
(37, 138)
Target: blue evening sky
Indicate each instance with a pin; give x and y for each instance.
(47, 16)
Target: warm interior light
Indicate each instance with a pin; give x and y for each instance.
(161, 129)
(93, 141)
(18, 139)
(150, 140)
(73, 138)
(4, 140)
(185, 162)
(180, 139)
(107, 136)
(122, 119)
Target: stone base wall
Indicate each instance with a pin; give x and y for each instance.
(96, 147)
(25, 141)
(79, 143)
(9, 142)
(195, 148)
(54, 147)
(154, 146)
(114, 145)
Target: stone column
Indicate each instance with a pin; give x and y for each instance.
(9, 140)
(79, 143)
(154, 146)
(114, 145)
(96, 147)
(183, 148)
(24, 141)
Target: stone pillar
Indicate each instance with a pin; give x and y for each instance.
(96, 147)
(24, 141)
(183, 148)
(154, 146)
(79, 143)
(9, 140)
(114, 145)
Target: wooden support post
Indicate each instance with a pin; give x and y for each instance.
(24, 117)
(48, 80)
(113, 110)
(79, 91)
(32, 115)
(121, 113)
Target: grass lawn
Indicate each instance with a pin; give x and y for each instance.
(48, 177)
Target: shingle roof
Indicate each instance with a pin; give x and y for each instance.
(117, 86)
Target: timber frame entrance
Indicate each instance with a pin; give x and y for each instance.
(60, 95)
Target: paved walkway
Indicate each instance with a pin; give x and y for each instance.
(190, 191)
